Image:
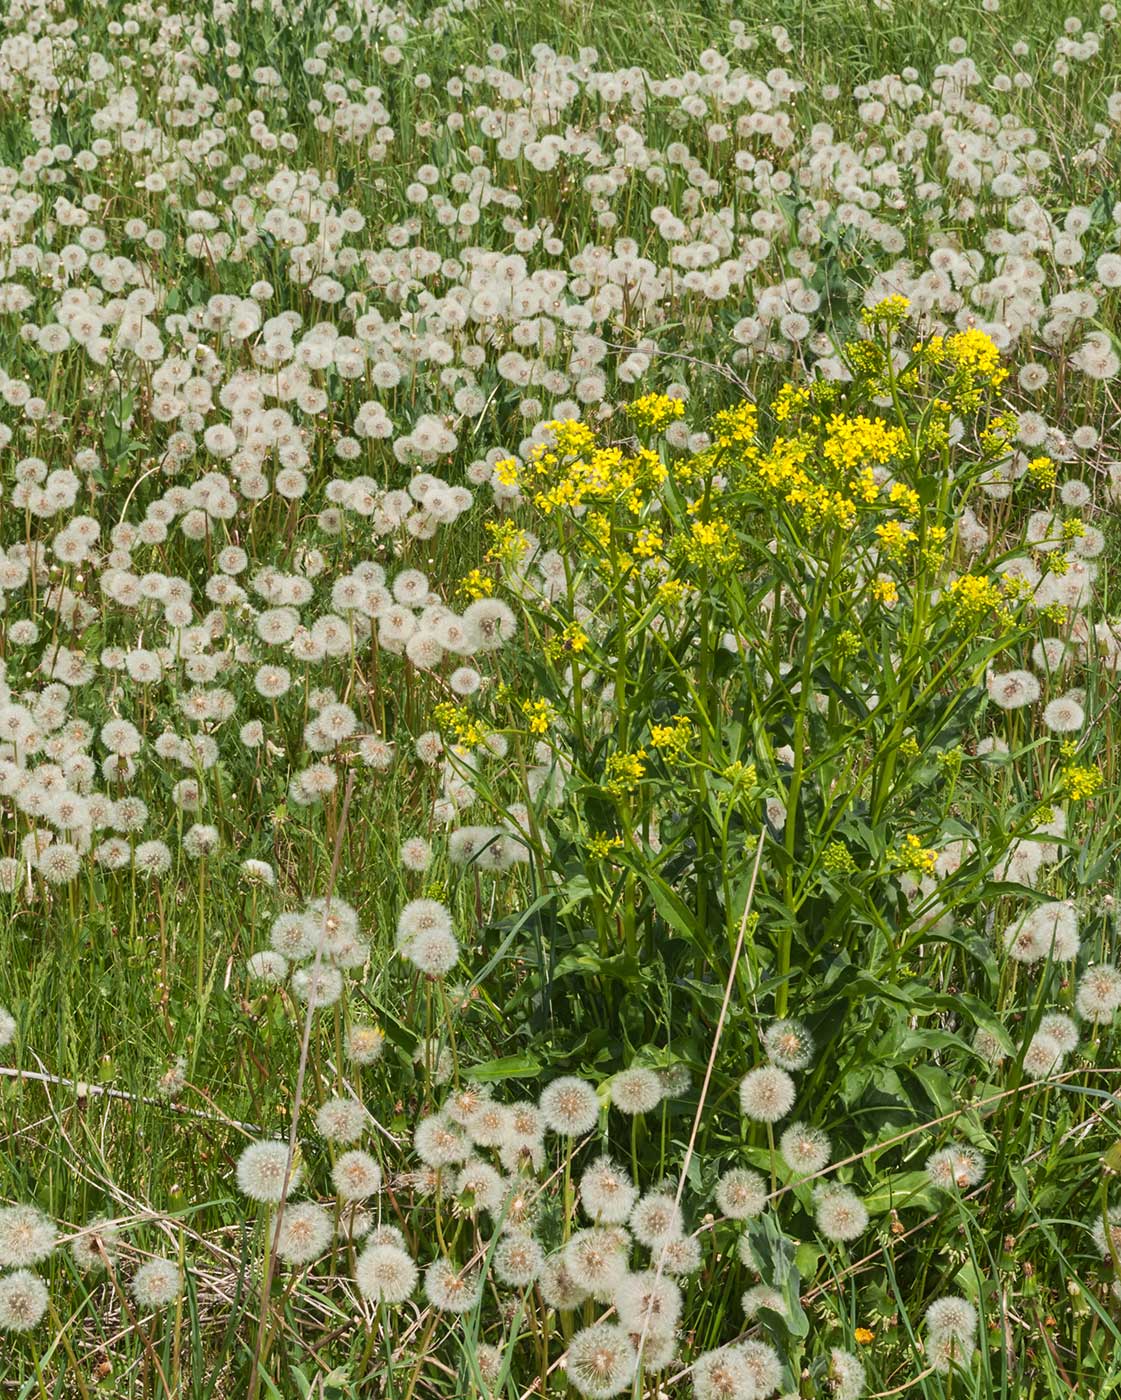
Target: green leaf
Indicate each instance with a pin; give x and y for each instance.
(901, 1189)
(775, 1256)
(523, 1066)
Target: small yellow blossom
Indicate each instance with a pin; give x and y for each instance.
(972, 597)
(452, 718)
(1042, 471)
(571, 641)
(506, 471)
(475, 584)
(1081, 781)
(538, 714)
(891, 311)
(894, 538)
(507, 542)
(904, 499)
(974, 351)
(672, 741)
(624, 772)
(709, 544)
(913, 855)
(655, 411)
(601, 845)
(885, 590)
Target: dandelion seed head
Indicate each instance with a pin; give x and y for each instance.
(261, 1171)
(449, 1289)
(596, 1259)
(762, 1296)
(1043, 1056)
(416, 854)
(600, 1361)
(23, 1301)
(479, 1187)
(1013, 689)
(607, 1193)
(385, 1272)
(439, 1142)
(845, 1375)
(766, 1094)
(805, 1149)
(518, 1259)
(356, 1175)
(788, 1044)
(946, 1350)
(656, 1219)
(569, 1106)
(1098, 994)
(557, 1286)
(952, 1314)
(156, 1284)
(741, 1193)
(635, 1091)
(27, 1236)
(956, 1168)
(681, 1256)
(267, 967)
(723, 1375)
(364, 1044)
(306, 1231)
(764, 1366)
(98, 1242)
(321, 987)
(647, 1302)
(840, 1214)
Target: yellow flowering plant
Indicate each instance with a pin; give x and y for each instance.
(794, 596)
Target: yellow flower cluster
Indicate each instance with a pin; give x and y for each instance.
(976, 352)
(905, 500)
(708, 544)
(601, 845)
(789, 400)
(851, 446)
(1081, 781)
(736, 427)
(672, 740)
(452, 718)
(538, 715)
(624, 771)
(913, 855)
(648, 542)
(1043, 472)
(475, 584)
(858, 440)
(827, 468)
(507, 542)
(573, 471)
(655, 411)
(889, 312)
(569, 642)
(972, 598)
(894, 537)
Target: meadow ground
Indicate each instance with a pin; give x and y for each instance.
(558, 678)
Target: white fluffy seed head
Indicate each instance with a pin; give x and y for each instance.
(766, 1094)
(261, 1171)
